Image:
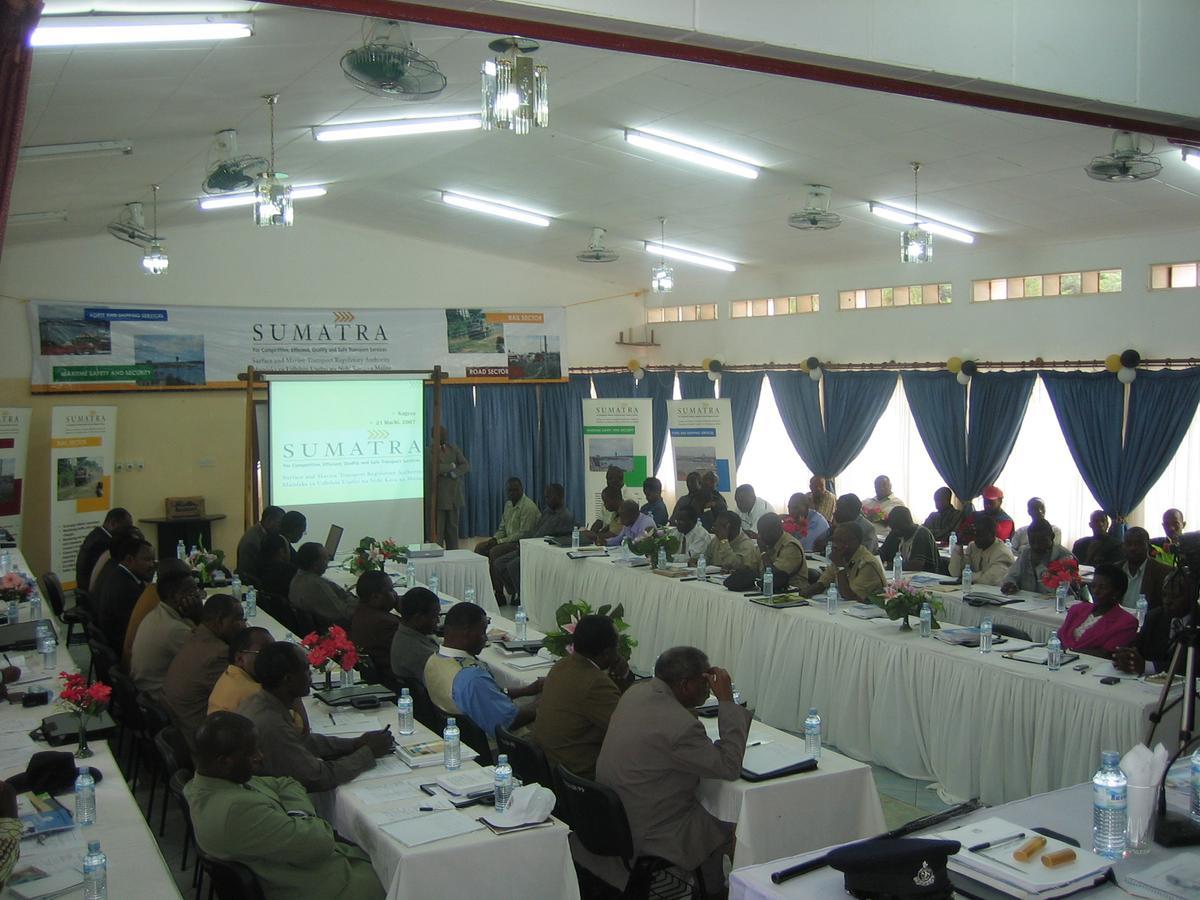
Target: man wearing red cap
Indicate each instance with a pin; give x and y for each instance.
(993, 497)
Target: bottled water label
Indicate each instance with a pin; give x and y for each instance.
(831, 599)
(768, 582)
(967, 576)
(702, 568)
(575, 538)
(404, 713)
(433, 582)
(469, 593)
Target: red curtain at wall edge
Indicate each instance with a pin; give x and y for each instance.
(17, 21)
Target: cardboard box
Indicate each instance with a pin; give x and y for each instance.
(185, 507)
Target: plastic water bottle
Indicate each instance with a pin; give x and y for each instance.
(410, 574)
(702, 568)
(1060, 599)
(235, 588)
(14, 612)
(5, 562)
(926, 620)
(503, 782)
(35, 607)
(812, 734)
(180, 551)
(49, 650)
(404, 712)
(985, 636)
(575, 538)
(737, 695)
(1142, 608)
(1109, 795)
(521, 618)
(85, 797)
(897, 568)
(968, 578)
(469, 594)
(452, 750)
(1196, 786)
(768, 582)
(433, 581)
(251, 603)
(831, 599)
(194, 550)
(662, 557)
(953, 542)
(95, 873)
(1054, 652)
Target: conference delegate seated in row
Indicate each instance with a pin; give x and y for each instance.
(945, 519)
(855, 570)
(249, 548)
(805, 524)
(989, 558)
(162, 633)
(413, 642)
(373, 626)
(1146, 575)
(104, 562)
(694, 537)
(1099, 548)
(750, 508)
(730, 548)
(268, 824)
(1031, 565)
(656, 752)
(146, 602)
(1157, 641)
(555, 521)
(608, 524)
(634, 523)
(200, 662)
(849, 511)
(821, 498)
(1165, 549)
(97, 542)
(876, 509)
(1036, 507)
(782, 554)
(692, 496)
(318, 596)
(579, 696)
(654, 506)
(993, 507)
(275, 566)
(517, 521)
(915, 543)
(319, 762)
(1100, 627)
(121, 583)
(460, 684)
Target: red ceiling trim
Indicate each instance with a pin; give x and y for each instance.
(587, 37)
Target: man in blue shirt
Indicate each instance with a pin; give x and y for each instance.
(461, 685)
(634, 524)
(654, 506)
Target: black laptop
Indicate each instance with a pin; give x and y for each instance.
(23, 635)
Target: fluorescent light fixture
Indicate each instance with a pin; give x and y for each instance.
(906, 217)
(700, 259)
(76, 31)
(83, 148)
(396, 128)
(690, 153)
(1191, 157)
(247, 198)
(37, 218)
(495, 209)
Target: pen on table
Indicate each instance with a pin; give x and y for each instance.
(332, 719)
(996, 843)
(756, 744)
(425, 809)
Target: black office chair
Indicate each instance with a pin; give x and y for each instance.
(528, 761)
(104, 660)
(175, 757)
(1011, 631)
(230, 880)
(423, 709)
(52, 589)
(128, 713)
(273, 605)
(601, 826)
(471, 735)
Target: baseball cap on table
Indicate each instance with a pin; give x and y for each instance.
(896, 867)
(991, 492)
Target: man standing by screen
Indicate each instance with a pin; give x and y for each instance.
(448, 465)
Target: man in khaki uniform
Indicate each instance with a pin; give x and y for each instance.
(989, 559)
(858, 571)
(730, 548)
(820, 499)
(449, 467)
(782, 552)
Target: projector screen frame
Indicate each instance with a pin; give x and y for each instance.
(260, 378)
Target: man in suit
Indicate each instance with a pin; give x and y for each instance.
(293, 526)
(315, 594)
(1100, 548)
(656, 751)
(373, 624)
(580, 695)
(268, 824)
(97, 541)
(200, 663)
(1154, 647)
(1146, 575)
(121, 584)
(448, 465)
(249, 548)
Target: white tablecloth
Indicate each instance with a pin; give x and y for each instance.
(1034, 614)
(455, 571)
(980, 725)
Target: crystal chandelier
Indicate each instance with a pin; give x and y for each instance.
(515, 88)
(154, 260)
(916, 244)
(272, 193)
(662, 276)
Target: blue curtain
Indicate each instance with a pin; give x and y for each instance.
(506, 434)
(743, 390)
(458, 417)
(659, 387)
(562, 439)
(613, 384)
(854, 401)
(939, 407)
(1089, 407)
(798, 399)
(697, 386)
(997, 409)
(1162, 405)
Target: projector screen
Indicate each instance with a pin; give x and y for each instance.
(349, 452)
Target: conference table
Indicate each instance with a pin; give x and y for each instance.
(136, 867)
(979, 725)
(456, 571)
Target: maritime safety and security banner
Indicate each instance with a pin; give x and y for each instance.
(702, 441)
(14, 448)
(616, 433)
(83, 443)
(106, 347)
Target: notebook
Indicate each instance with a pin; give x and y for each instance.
(432, 827)
(468, 782)
(1177, 878)
(42, 814)
(1039, 655)
(772, 759)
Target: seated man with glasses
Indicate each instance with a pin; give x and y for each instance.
(238, 681)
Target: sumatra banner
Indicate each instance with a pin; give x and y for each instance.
(82, 444)
(14, 447)
(616, 433)
(98, 347)
(702, 440)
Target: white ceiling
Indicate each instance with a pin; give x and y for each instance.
(1010, 178)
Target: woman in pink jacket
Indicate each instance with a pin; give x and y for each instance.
(1100, 627)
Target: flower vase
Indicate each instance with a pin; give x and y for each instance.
(83, 751)
(904, 626)
(328, 680)
(347, 678)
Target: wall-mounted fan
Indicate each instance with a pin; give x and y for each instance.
(231, 172)
(388, 64)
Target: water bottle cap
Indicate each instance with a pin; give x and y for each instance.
(1110, 759)
(403, 692)
(502, 759)
(450, 721)
(93, 846)
(812, 711)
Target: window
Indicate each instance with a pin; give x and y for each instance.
(700, 312)
(904, 295)
(1097, 281)
(1179, 485)
(1173, 275)
(770, 462)
(775, 306)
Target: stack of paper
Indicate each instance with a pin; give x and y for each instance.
(468, 782)
(432, 827)
(864, 611)
(1039, 656)
(1177, 878)
(419, 754)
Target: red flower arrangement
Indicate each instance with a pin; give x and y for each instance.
(82, 698)
(334, 646)
(1062, 571)
(797, 529)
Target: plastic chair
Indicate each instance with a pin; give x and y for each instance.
(526, 758)
(52, 589)
(1011, 631)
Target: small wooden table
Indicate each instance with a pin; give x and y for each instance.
(192, 531)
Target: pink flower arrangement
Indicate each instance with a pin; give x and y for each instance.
(334, 646)
(15, 586)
